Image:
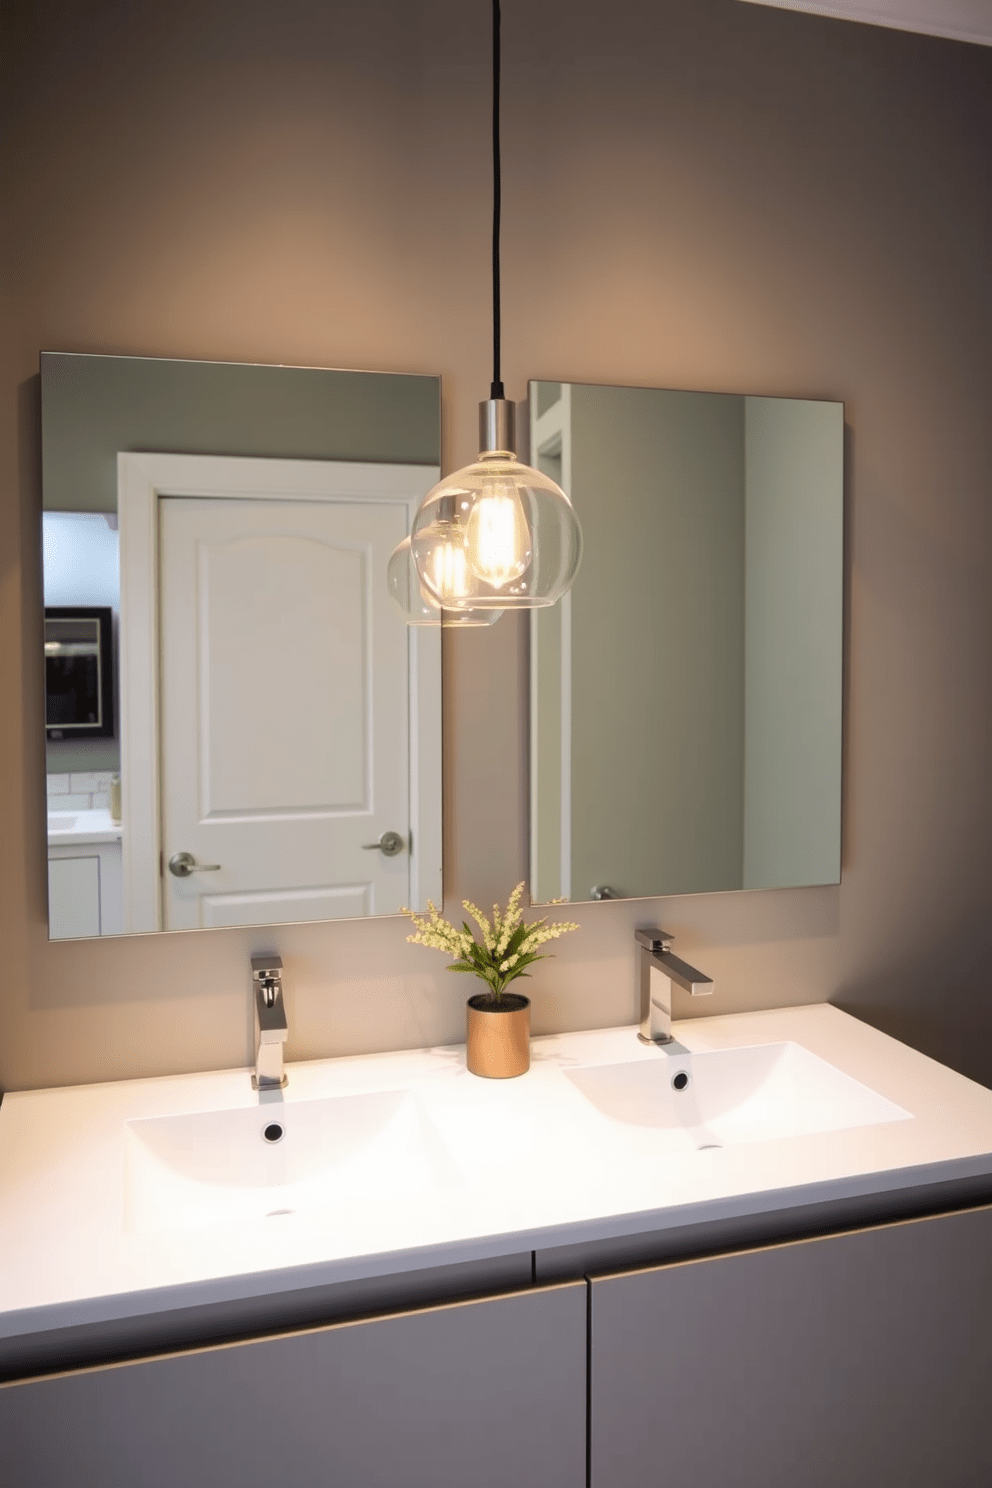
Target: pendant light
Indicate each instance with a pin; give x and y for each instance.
(414, 606)
(496, 535)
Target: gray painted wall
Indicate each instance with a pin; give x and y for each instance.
(793, 659)
(94, 407)
(657, 641)
(545, 762)
(726, 196)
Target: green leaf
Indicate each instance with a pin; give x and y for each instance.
(517, 938)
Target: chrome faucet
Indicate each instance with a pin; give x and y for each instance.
(660, 973)
(271, 1028)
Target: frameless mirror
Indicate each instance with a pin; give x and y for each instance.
(267, 747)
(686, 694)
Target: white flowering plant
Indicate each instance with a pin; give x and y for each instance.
(508, 945)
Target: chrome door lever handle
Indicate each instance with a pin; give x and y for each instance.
(389, 844)
(182, 864)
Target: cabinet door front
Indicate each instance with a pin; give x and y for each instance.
(470, 1395)
(74, 896)
(857, 1359)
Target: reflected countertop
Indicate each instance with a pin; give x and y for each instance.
(82, 828)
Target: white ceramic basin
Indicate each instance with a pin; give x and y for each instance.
(280, 1158)
(732, 1096)
(385, 1195)
(61, 821)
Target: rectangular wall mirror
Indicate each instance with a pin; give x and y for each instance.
(275, 753)
(686, 694)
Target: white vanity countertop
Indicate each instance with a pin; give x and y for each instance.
(540, 1167)
(82, 828)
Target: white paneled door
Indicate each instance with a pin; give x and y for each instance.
(284, 711)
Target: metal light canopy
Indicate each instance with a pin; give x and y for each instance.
(496, 535)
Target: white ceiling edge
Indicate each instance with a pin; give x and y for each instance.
(961, 20)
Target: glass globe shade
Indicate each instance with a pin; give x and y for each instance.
(496, 535)
(413, 605)
(405, 590)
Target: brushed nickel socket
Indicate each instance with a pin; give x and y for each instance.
(497, 426)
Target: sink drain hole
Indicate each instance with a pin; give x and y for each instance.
(274, 1213)
(273, 1132)
(680, 1081)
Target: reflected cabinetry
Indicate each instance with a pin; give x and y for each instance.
(84, 890)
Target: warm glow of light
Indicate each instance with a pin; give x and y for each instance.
(449, 571)
(498, 536)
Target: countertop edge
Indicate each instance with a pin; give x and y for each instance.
(25, 1322)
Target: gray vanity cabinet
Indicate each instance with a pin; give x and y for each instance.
(479, 1393)
(859, 1359)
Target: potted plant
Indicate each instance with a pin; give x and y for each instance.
(498, 1034)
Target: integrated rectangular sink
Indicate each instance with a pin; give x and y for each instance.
(727, 1097)
(281, 1158)
(122, 1199)
(61, 821)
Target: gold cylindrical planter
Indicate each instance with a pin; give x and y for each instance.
(498, 1041)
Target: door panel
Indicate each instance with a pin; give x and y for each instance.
(347, 902)
(858, 1359)
(285, 710)
(477, 1394)
(292, 612)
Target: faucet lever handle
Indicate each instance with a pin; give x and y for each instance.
(654, 940)
(270, 1010)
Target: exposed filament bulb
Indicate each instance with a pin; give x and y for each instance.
(498, 536)
(450, 574)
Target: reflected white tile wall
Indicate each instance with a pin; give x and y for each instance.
(84, 790)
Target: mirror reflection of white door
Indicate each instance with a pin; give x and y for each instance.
(283, 748)
(277, 716)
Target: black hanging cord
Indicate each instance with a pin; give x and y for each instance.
(496, 391)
